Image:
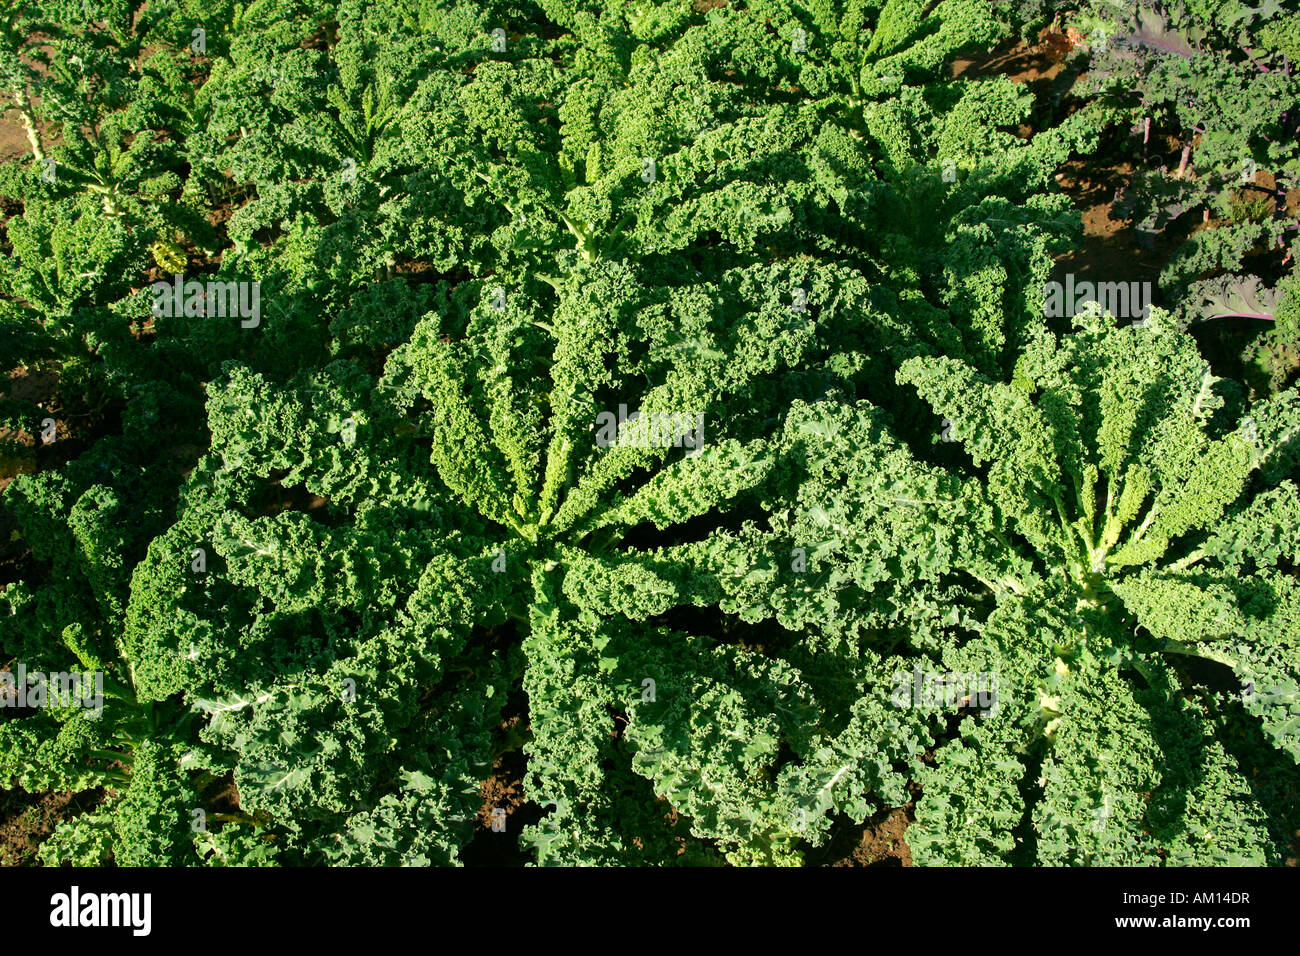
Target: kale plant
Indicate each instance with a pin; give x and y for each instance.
(585, 429)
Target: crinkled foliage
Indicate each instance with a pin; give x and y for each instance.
(580, 431)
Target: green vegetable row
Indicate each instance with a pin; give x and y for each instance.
(352, 552)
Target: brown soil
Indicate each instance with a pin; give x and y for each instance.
(76, 424)
(1266, 180)
(1110, 251)
(29, 386)
(13, 138)
(27, 820)
(284, 499)
(503, 790)
(222, 796)
(1036, 64)
(880, 841)
(19, 449)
